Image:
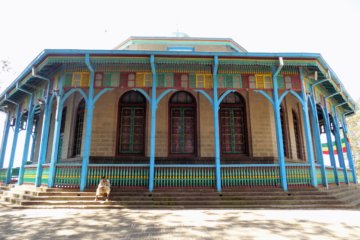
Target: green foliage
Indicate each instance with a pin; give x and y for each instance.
(4, 66)
(354, 136)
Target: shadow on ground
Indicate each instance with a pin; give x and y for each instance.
(178, 224)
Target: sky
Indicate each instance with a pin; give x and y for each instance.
(328, 27)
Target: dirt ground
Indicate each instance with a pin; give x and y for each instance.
(178, 224)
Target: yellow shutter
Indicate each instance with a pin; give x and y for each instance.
(85, 80)
(76, 79)
(139, 81)
(208, 81)
(259, 81)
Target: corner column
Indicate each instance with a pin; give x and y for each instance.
(13, 147)
(44, 139)
(4, 140)
(330, 143)
(29, 126)
(348, 150)
(55, 146)
(309, 146)
(339, 147)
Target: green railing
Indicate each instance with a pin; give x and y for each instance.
(258, 175)
(318, 174)
(67, 175)
(298, 174)
(3, 175)
(350, 176)
(341, 175)
(184, 176)
(134, 175)
(45, 174)
(30, 174)
(330, 174)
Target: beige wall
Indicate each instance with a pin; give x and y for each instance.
(260, 126)
(263, 140)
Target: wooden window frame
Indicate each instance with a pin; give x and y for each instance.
(118, 132)
(234, 106)
(174, 105)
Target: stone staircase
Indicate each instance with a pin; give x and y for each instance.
(344, 197)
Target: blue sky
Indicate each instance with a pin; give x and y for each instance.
(329, 27)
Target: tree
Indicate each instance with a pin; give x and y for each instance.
(354, 136)
(5, 65)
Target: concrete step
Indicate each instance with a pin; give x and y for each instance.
(181, 203)
(178, 198)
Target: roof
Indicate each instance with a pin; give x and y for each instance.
(51, 59)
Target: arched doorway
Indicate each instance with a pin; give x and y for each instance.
(132, 114)
(233, 127)
(182, 119)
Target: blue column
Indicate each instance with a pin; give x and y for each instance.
(316, 133)
(330, 143)
(153, 124)
(88, 130)
(13, 147)
(4, 140)
(278, 129)
(339, 147)
(44, 139)
(348, 151)
(309, 146)
(216, 124)
(55, 145)
(29, 126)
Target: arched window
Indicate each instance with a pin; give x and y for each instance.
(233, 127)
(62, 131)
(297, 135)
(182, 124)
(79, 124)
(132, 108)
(284, 132)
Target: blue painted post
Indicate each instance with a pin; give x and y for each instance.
(13, 147)
(55, 145)
(4, 140)
(216, 124)
(330, 143)
(29, 126)
(88, 130)
(44, 139)
(339, 147)
(153, 125)
(309, 146)
(319, 155)
(348, 151)
(278, 129)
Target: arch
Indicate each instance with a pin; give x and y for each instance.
(78, 131)
(131, 124)
(233, 125)
(182, 124)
